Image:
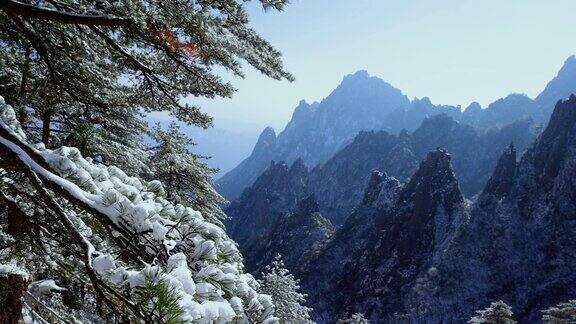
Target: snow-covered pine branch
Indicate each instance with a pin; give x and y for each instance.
(279, 283)
(119, 237)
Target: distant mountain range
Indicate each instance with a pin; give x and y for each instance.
(338, 184)
(418, 251)
(424, 216)
(364, 103)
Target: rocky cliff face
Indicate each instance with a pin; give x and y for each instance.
(403, 241)
(339, 185)
(341, 181)
(296, 235)
(561, 87)
(433, 257)
(251, 168)
(274, 193)
(326, 272)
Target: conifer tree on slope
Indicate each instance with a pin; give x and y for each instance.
(95, 66)
(135, 255)
(357, 318)
(187, 179)
(497, 313)
(279, 283)
(562, 313)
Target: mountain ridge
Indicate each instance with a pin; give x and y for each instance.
(362, 103)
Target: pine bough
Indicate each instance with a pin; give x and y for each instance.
(139, 256)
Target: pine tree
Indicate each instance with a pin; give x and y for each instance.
(497, 313)
(129, 54)
(562, 313)
(82, 73)
(279, 283)
(187, 179)
(131, 254)
(357, 318)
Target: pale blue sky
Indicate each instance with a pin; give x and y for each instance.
(453, 51)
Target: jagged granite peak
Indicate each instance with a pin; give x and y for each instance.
(251, 168)
(358, 75)
(296, 235)
(421, 103)
(330, 266)
(473, 107)
(557, 140)
(389, 190)
(500, 183)
(560, 87)
(435, 176)
(266, 140)
(276, 191)
(381, 190)
(428, 211)
(302, 113)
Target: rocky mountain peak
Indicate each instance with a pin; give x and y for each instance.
(502, 180)
(266, 140)
(562, 86)
(424, 102)
(437, 122)
(381, 190)
(433, 183)
(374, 93)
(358, 75)
(557, 140)
(302, 112)
(473, 107)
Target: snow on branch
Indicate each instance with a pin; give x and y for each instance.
(31, 11)
(174, 245)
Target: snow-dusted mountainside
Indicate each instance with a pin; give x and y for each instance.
(363, 103)
(339, 184)
(276, 192)
(427, 255)
(296, 236)
(420, 251)
(316, 131)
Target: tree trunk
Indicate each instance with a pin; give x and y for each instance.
(46, 118)
(25, 72)
(12, 288)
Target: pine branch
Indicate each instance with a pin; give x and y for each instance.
(124, 240)
(30, 11)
